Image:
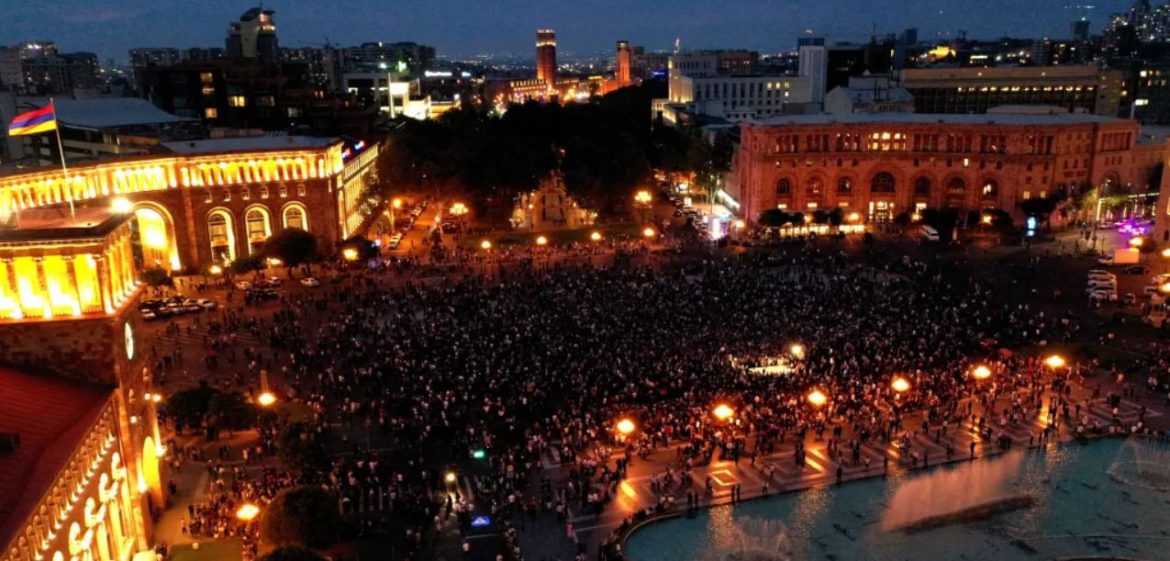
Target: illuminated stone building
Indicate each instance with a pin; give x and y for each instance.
(880, 165)
(213, 201)
(80, 450)
(976, 90)
(546, 56)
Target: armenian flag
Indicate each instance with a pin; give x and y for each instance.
(33, 122)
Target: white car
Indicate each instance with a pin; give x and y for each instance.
(310, 282)
(1103, 295)
(207, 304)
(1101, 273)
(1103, 283)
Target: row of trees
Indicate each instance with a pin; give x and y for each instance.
(606, 148)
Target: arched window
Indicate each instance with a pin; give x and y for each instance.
(815, 187)
(990, 189)
(295, 217)
(956, 187)
(882, 183)
(221, 236)
(922, 187)
(258, 228)
(845, 185)
(783, 187)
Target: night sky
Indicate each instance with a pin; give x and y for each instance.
(585, 27)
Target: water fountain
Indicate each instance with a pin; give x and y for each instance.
(752, 539)
(1143, 463)
(953, 496)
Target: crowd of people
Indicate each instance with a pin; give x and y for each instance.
(536, 365)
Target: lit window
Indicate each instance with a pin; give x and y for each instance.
(237, 101)
(210, 113)
(208, 90)
(206, 77)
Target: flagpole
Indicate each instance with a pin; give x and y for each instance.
(64, 168)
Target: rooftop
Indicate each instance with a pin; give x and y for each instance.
(56, 222)
(927, 118)
(51, 416)
(113, 112)
(245, 144)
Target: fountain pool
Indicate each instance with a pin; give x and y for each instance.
(1106, 499)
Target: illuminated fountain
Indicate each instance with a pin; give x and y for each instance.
(956, 496)
(1142, 463)
(752, 539)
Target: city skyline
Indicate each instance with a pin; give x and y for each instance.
(111, 29)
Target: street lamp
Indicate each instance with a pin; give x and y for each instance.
(797, 350)
(540, 240)
(485, 245)
(723, 412)
(1136, 242)
(450, 477)
(817, 398)
(981, 372)
(1055, 361)
(247, 512)
(595, 236)
(900, 384)
(274, 262)
(215, 269)
(854, 217)
(350, 254)
(643, 197)
(648, 232)
(625, 427)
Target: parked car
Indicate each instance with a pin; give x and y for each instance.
(207, 304)
(243, 285)
(148, 315)
(310, 282)
(1102, 283)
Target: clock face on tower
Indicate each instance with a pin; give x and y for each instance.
(129, 336)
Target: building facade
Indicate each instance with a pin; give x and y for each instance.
(85, 473)
(214, 201)
(546, 56)
(880, 165)
(975, 90)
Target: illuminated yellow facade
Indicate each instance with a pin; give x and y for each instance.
(49, 187)
(72, 277)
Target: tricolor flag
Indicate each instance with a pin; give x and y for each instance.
(33, 122)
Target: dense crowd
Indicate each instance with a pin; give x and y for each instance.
(538, 364)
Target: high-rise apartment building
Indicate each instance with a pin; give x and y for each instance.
(154, 57)
(254, 36)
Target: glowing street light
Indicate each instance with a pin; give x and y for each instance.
(396, 203)
(1166, 253)
(121, 205)
(981, 372)
(797, 350)
(817, 398)
(625, 427)
(1055, 361)
(1165, 288)
(215, 269)
(900, 384)
(723, 412)
(854, 217)
(648, 232)
(986, 219)
(740, 224)
(1136, 242)
(540, 240)
(274, 262)
(266, 399)
(643, 197)
(247, 512)
(350, 254)
(458, 209)
(450, 477)
(595, 236)
(485, 245)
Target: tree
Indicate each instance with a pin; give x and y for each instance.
(247, 264)
(156, 277)
(300, 444)
(231, 411)
(189, 407)
(836, 217)
(305, 516)
(293, 246)
(773, 218)
(820, 216)
(291, 553)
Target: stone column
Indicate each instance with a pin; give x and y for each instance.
(103, 282)
(71, 274)
(43, 287)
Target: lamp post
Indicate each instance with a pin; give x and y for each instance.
(900, 385)
(266, 397)
(247, 512)
(723, 412)
(643, 199)
(981, 372)
(395, 205)
(817, 398)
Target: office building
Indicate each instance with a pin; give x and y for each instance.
(975, 90)
(869, 94)
(253, 36)
(140, 58)
(881, 165)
